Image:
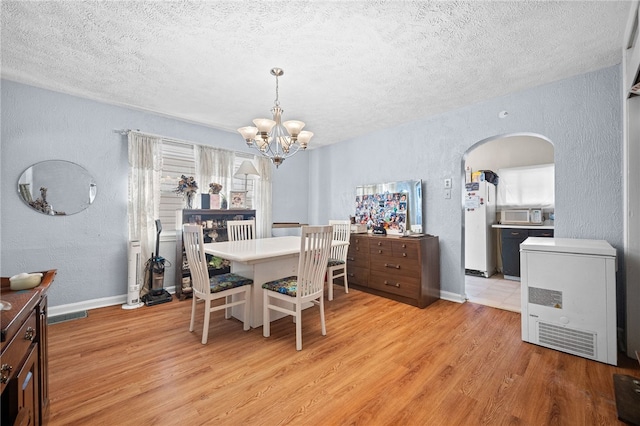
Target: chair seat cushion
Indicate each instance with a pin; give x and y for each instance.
(288, 286)
(335, 262)
(226, 281)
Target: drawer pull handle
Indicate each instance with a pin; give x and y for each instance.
(396, 285)
(404, 254)
(379, 243)
(29, 334)
(6, 370)
(380, 251)
(515, 233)
(351, 258)
(391, 265)
(404, 246)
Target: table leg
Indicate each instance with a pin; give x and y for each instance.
(261, 273)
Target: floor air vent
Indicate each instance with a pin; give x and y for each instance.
(67, 317)
(565, 339)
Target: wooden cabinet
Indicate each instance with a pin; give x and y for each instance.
(23, 371)
(406, 269)
(214, 224)
(358, 260)
(511, 239)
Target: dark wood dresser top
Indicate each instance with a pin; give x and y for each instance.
(22, 303)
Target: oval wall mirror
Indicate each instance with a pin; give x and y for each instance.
(57, 187)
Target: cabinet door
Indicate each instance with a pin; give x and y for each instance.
(28, 402)
(511, 239)
(43, 359)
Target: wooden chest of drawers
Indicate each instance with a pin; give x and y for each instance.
(23, 354)
(406, 269)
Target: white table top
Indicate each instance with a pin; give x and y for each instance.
(249, 251)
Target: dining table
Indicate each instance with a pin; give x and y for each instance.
(262, 260)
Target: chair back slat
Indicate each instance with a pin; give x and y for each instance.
(238, 230)
(341, 232)
(194, 249)
(315, 245)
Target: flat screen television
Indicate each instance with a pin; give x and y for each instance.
(396, 206)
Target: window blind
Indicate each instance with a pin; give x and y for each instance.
(527, 187)
(177, 159)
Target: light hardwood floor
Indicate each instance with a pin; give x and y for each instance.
(381, 363)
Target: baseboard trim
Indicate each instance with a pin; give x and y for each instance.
(452, 297)
(122, 299)
(87, 305)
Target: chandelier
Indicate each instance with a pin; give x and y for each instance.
(273, 138)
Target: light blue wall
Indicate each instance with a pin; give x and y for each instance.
(582, 118)
(580, 115)
(89, 249)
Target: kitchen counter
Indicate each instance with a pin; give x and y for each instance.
(547, 224)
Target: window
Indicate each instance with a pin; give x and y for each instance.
(530, 186)
(177, 159)
(238, 181)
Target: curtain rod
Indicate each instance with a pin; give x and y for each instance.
(125, 132)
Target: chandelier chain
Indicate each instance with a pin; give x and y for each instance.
(277, 102)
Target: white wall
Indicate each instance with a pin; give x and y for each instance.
(581, 116)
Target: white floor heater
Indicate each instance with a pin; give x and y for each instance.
(134, 276)
(569, 296)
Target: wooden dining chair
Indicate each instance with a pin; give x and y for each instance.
(307, 286)
(207, 288)
(238, 230)
(337, 264)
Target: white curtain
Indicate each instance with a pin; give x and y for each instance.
(214, 166)
(263, 197)
(145, 166)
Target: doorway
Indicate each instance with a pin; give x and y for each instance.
(495, 153)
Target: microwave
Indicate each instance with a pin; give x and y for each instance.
(521, 216)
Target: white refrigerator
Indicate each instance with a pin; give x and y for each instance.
(479, 215)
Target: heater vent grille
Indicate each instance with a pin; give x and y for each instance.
(566, 339)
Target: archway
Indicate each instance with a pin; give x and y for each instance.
(508, 151)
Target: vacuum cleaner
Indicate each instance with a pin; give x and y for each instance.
(154, 275)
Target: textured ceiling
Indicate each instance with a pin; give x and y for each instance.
(351, 67)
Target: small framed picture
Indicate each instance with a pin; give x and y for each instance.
(238, 200)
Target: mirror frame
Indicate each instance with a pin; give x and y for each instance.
(50, 178)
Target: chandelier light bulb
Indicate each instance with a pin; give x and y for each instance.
(293, 127)
(264, 125)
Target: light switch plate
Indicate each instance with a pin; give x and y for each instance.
(447, 183)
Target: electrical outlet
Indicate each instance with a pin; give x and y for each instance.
(447, 183)
(447, 194)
